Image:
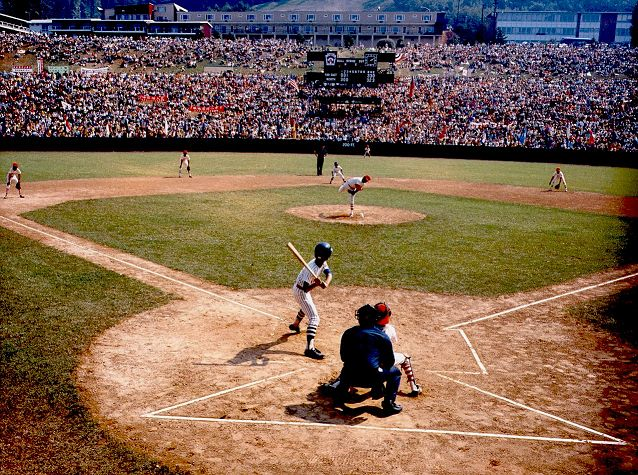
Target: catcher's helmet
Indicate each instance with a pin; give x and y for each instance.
(366, 178)
(323, 251)
(384, 311)
(367, 315)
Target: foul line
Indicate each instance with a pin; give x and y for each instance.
(157, 274)
(474, 353)
(324, 425)
(537, 411)
(220, 393)
(520, 307)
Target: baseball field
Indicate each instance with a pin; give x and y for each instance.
(144, 323)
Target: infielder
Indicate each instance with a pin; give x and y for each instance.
(353, 186)
(185, 161)
(14, 176)
(337, 170)
(366, 151)
(557, 178)
(301, 289)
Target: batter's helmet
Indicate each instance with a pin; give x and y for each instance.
(367, 315)
(14, 164)
(366, 178)
(336, 163)
(323, 251)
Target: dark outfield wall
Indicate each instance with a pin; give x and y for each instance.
(583, 157)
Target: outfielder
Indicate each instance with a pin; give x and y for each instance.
(14, 176)
(301, 289)
(353, 186)
(185, 161)
(557, 178)
(337, 170)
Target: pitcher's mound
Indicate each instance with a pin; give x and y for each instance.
(362, 214)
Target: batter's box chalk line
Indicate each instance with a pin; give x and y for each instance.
(604, 439)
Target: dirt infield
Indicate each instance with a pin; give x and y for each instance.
(215, 383)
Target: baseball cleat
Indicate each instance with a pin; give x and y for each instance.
(314, 353)
(294, 328)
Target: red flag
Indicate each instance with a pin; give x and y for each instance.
(411, 90)
(67, 125)
(443, 132)
(591, 140)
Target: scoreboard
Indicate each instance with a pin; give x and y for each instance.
(350, 72)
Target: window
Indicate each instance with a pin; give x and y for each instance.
(354, 17)
(161, 9)
(226, 17)
(267, 16)
(210, 16)
(426, 18)
(310, 17)
(294, 17)
(380, 18)
(250, 17)
(336, 17)
(399, 18)
(183, 16)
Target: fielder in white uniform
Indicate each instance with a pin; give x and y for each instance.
(353, 186)
(557, 178)
(185, 161)
(301, 289)
(337, 171)
(14, 176)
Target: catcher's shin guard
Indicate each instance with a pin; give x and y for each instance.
(406, 366)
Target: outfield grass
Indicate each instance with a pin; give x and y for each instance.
(51, 306)
(39, 166)
(464, 246)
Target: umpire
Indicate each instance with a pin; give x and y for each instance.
(368, 361)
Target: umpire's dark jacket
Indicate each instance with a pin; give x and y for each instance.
(363, 351)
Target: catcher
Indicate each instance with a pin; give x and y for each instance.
(353, 186)
(557, 178)
(368, 361)
(401, 360)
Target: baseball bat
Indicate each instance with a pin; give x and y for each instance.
(294, 250)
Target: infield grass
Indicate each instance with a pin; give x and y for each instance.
(51, 306)
(464, 246)
(38, 166)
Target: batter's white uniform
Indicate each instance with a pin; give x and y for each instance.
(303, 298)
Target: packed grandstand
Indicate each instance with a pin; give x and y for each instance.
(512, 95)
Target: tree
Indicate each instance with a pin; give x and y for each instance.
(500, 38)
(634, 26)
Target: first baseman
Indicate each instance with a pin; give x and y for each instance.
(185, 161)
(14, 176)
(301, 289)
(353, 186)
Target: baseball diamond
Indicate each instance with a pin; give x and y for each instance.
(214, 381)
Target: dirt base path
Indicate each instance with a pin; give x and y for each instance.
(214, 382)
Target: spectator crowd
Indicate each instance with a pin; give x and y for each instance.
(529, 95)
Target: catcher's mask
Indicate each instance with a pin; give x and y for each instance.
(384, 311)
(323, 251)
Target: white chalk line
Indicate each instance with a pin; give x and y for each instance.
(520, 307)
(144, 269)
(474, 353)
(324, 425)
(536, 411)
(221, 393)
